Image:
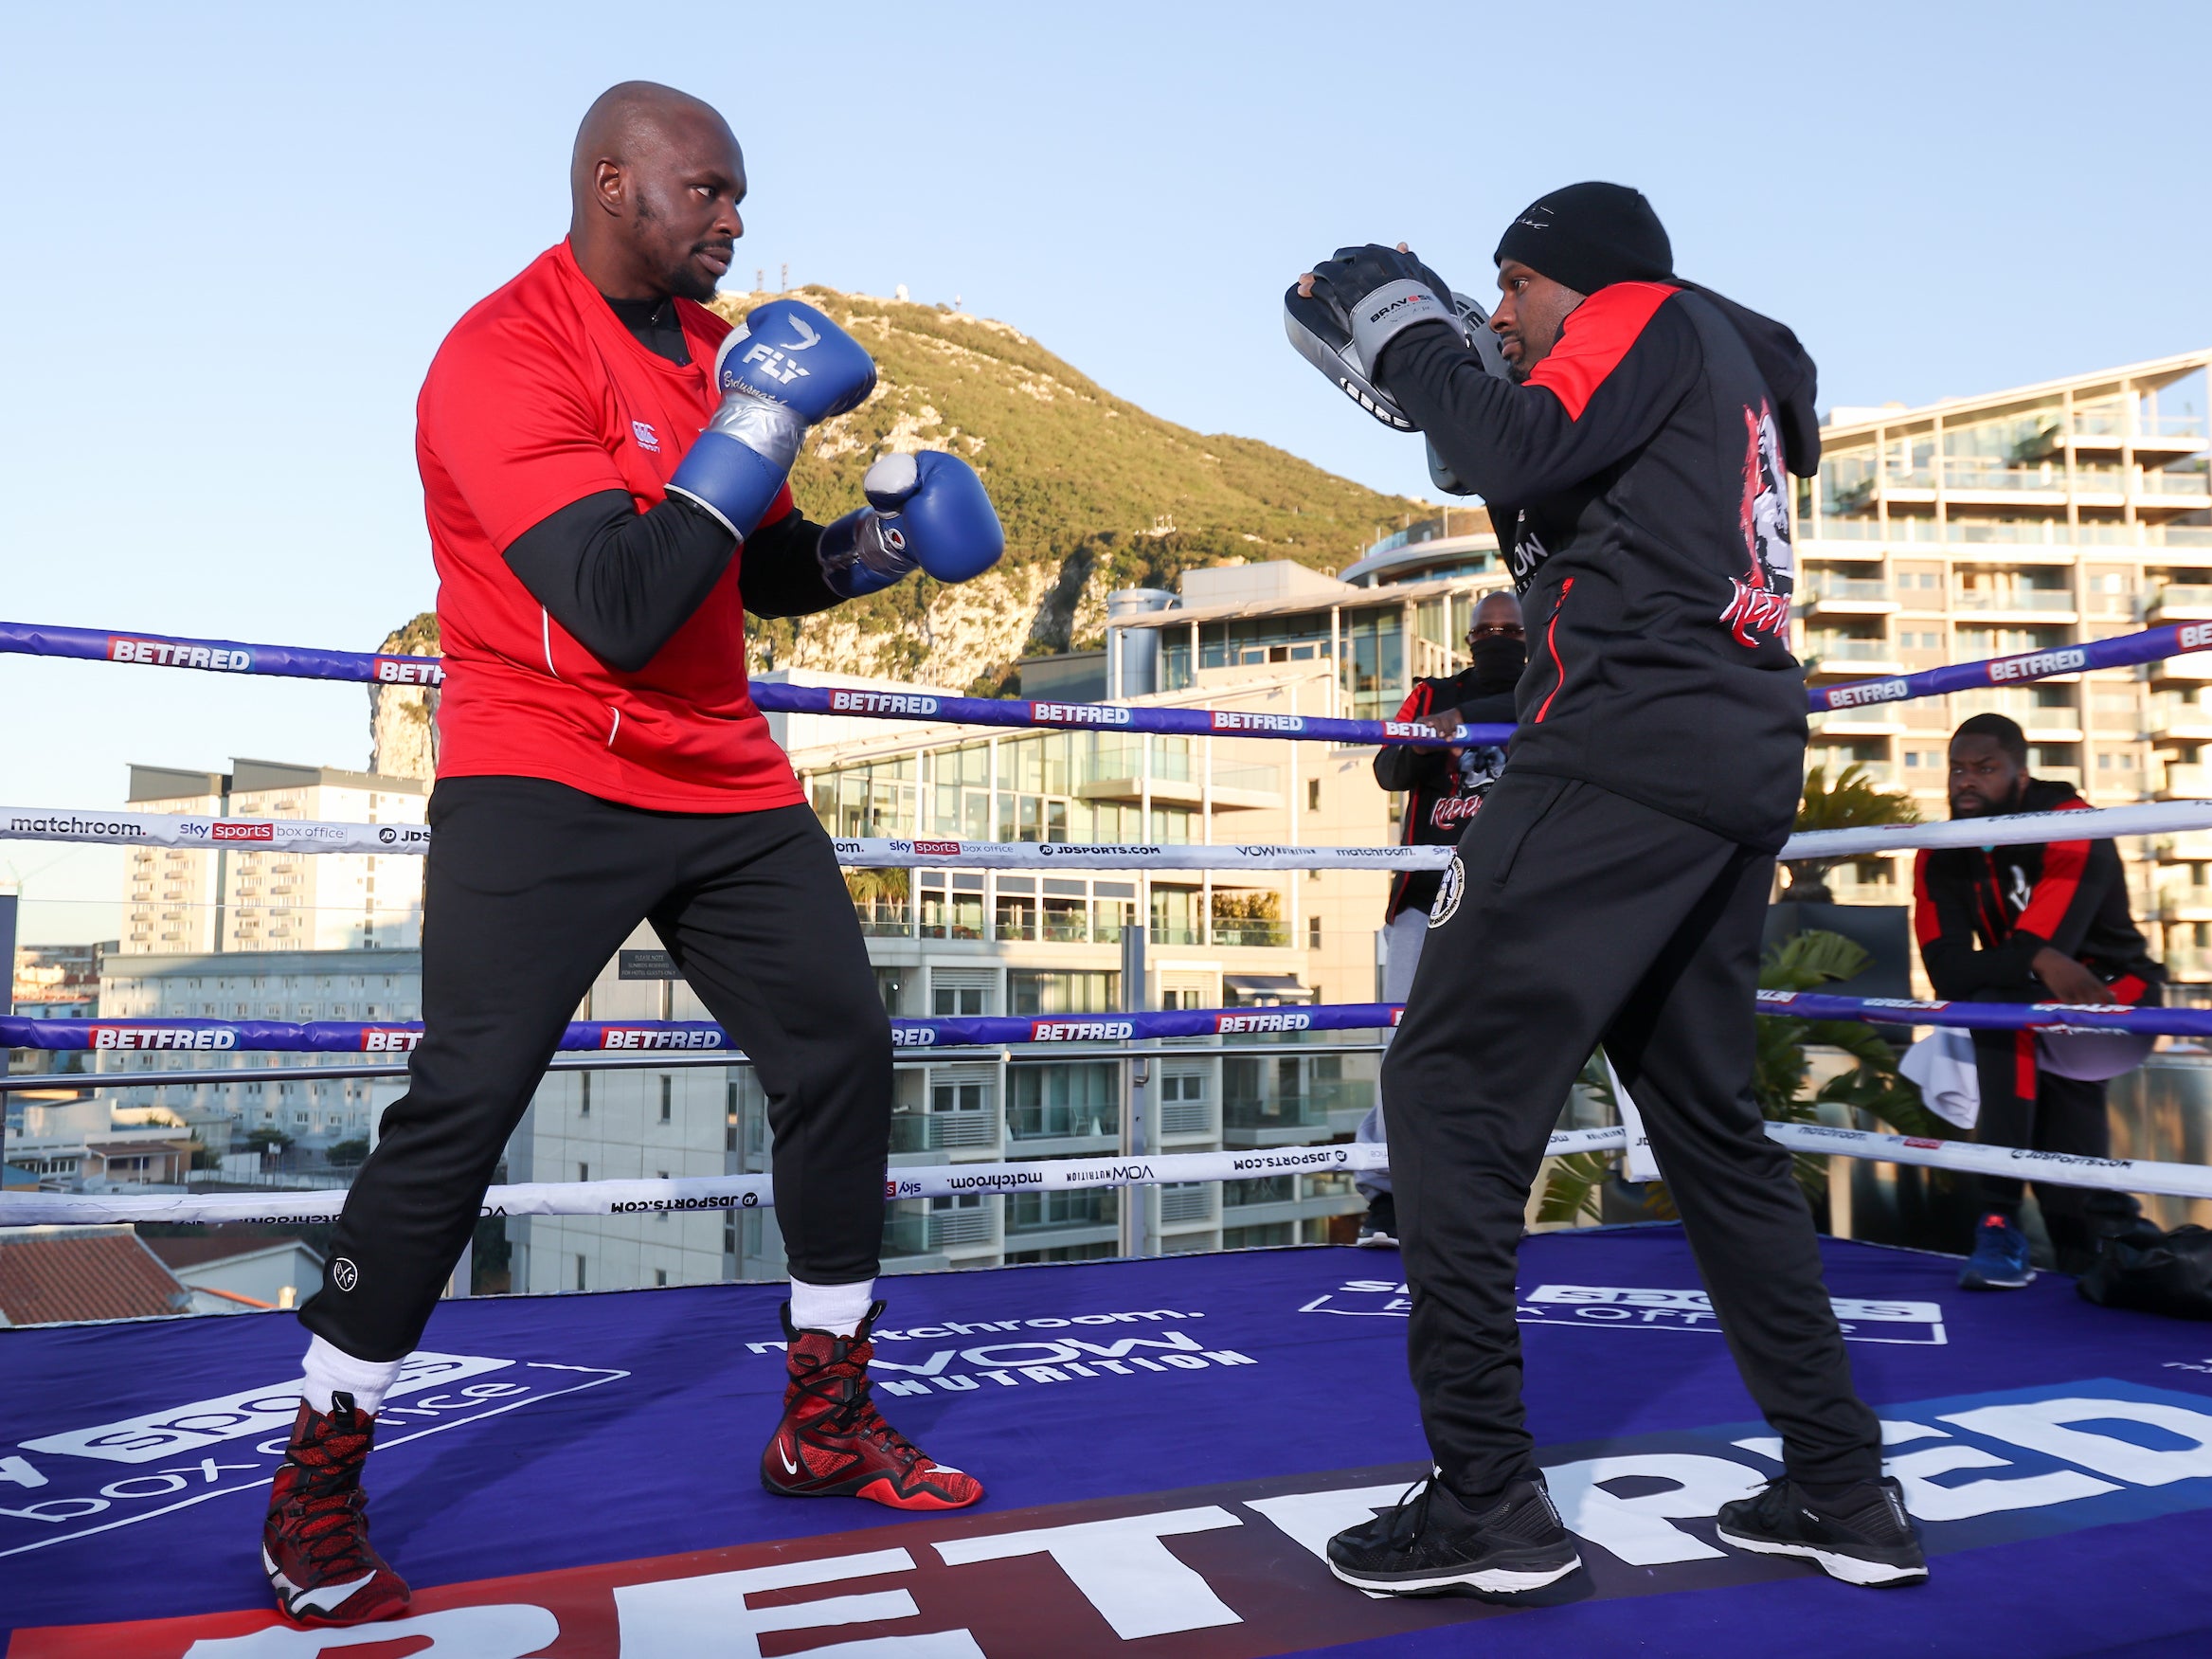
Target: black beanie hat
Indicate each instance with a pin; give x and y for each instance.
(1588, 236)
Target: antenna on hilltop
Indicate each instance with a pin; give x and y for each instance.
(760, 280)
(783, 277)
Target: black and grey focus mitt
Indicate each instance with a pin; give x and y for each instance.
(1361, 300)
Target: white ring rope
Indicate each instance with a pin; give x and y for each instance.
(159, 829)
(697, 1194)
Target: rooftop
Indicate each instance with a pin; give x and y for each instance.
(55, 1274)
(1845, 423)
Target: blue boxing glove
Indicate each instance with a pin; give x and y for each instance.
(781, 370)
(927, 510)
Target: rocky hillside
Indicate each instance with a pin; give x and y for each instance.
(1094, 494)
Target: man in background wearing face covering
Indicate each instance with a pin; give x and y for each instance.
(1614, 886)
(1444, 789)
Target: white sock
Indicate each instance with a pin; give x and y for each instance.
(837, 1309)
(332, 1370)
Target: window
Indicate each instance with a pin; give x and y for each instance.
(583, 1173)
(1313, 933)
(667, 1101)
(1053, 991)
(579, 1272)
(663, 1215)
(1313, 795)
(659, 1277)
(584, 1109)
(1060, 1102)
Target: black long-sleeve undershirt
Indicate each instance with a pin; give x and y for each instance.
(622, 582)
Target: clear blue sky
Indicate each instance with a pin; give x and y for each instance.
(239, 233)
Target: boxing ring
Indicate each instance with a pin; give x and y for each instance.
(1167, 1441)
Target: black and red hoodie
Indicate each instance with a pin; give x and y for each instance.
(1443, 790)
(1638, 483)
(1982, 913)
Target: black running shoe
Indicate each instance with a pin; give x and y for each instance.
(1863, 1538)
(1432, 1542)
(1378, 1228)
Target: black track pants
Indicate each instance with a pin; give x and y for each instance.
(2025, 1106)
(1586, 917)
(532, 886)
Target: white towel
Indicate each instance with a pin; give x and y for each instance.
(1943, 1065)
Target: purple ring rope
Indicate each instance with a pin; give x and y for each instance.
(298, 662)
(665, 1037)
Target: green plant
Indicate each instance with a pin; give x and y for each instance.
(343, 1154)
(1780, 1067)
(1849, 801)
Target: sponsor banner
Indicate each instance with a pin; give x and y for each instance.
(347, 1037)
(686, 1194)
(298, 662)
(1643, 1307)
(117, 1474)
(2151, 645)
(1238, 1568)
(38, 823)
(2065, 1017)
(165, 829)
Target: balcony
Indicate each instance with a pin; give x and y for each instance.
(2184, 846)
(2044, 604)
(1849, 596)
(2188, 962)
(2185, 781)
(2184, 903)
(1831, 654)
(1255, 934)
(942, 1131)
(1972, 478)
(1033, 1213)
(884, 921)
(2179, 601)
(1185, 1204)
(1279, 1120)
(1876, 720)
(2177, 718)
(2185, 488)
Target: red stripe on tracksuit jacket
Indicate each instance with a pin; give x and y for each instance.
(1982, 913)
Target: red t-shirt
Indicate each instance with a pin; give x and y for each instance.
(538, 398)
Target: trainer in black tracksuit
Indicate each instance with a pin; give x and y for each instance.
(1443, 788)
(1613, 886)
(1981, 915)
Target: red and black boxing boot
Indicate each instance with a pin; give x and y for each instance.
(832, 1442)
(315, 1545)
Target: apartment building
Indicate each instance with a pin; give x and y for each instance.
(369, 985)
(2022, 519)
(182, 901)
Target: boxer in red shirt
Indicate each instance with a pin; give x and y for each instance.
(603, 466)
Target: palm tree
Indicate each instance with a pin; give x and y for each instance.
(1851, 802)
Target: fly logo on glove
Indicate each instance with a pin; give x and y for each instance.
(772, 359)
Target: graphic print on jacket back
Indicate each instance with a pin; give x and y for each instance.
(1761, 602)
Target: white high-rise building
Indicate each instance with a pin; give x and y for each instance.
(186, 902)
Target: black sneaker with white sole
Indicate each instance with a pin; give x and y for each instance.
(1862, 1538)
(1432, 1542)
(1378, 1228)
